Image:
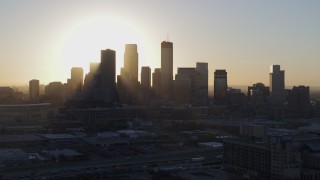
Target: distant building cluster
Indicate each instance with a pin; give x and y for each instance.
(100, 87)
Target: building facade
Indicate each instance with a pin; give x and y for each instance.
(277, 158)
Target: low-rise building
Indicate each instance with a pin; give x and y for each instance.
(276, 159)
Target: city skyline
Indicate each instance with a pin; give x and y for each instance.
(243, 38)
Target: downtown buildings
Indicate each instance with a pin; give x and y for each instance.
(188, 87)
(34, 89)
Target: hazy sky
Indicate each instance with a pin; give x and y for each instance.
(42, 39)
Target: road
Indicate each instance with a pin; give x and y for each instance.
(112, 164)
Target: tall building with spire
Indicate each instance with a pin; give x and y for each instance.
(166, 68)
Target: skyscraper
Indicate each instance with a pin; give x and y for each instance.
(184, 85)
(277, 85)
(105, 77)
(220, 86)
(191, 85)
(145, 77)
(76, 79)
(299, 100)
(89, 80)
(202, 68)
(156, 80)
(166, 68)
(258, 95)
(34, 90)
(94, 66)
(128, 80)
(202, 92)
(131, 62)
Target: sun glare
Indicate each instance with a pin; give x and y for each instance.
(84, 41)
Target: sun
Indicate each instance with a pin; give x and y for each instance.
(83, 42)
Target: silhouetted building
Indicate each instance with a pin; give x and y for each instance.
(75, 83)
(220, 86)
(156, 80)
(131, 62)
(145, 77)
(298, 100)
(166, 68)
(277, 85)
(144, 94)
(201, 95)
(10, 95)
(77, 78)
(105, 87)
(94, 67)
(54, 89)
(128, 87)
(235, 97)
(191, 86)
(258, 95)
(41, 89)
(55, 93)
(89, 80)
(6, 91)
(183, 85)
(34, 90)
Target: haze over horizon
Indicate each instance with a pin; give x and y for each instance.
(44, 39)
